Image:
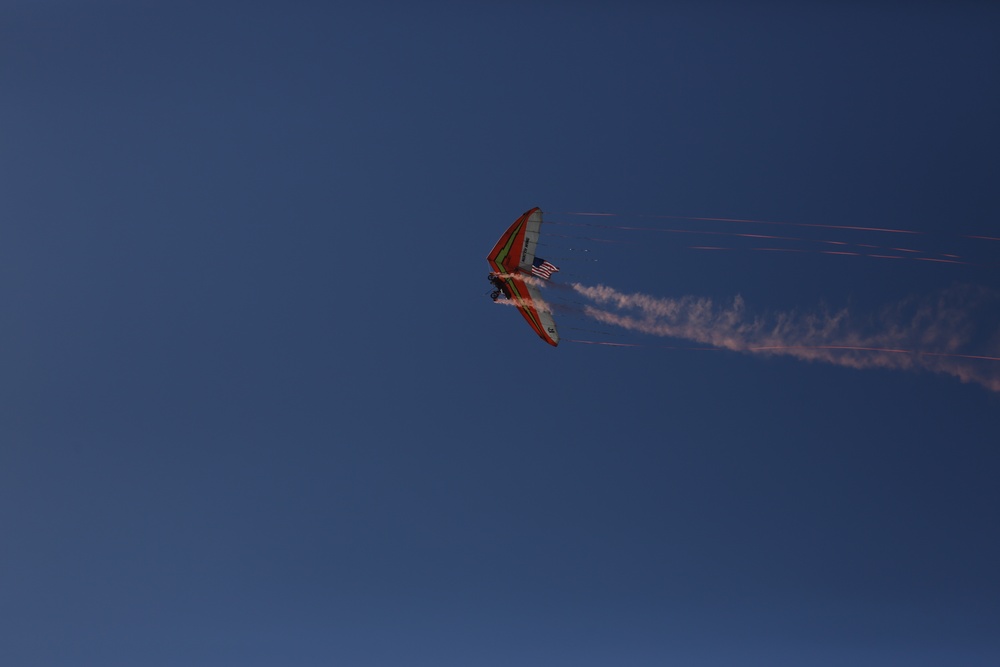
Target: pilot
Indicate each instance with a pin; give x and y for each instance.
(499, 287)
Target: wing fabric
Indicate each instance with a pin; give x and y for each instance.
(532, 227)
(516, 248)
(532, 307)
(512, 257)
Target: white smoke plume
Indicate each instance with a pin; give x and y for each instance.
(526, 278)
(539, 304)
(953, 331)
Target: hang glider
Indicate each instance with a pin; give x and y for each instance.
(513, 261)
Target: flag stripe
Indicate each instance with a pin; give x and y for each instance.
(543, 269)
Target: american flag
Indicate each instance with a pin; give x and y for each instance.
(542, 269)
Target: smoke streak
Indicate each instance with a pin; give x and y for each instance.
(525, 278)
(833, 252)
(943, 333)
(746, 220)
(539, 304)
(952, 259)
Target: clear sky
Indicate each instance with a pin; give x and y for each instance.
(258, 409)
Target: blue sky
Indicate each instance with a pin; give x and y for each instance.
(258, 408)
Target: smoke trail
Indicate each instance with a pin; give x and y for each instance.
(525, 278)
(953, 331)
(845, 253)
(539, 304)
(608, 218)
(951, 259)
(746, 220)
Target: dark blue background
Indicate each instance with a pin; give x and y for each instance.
(257, 409)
